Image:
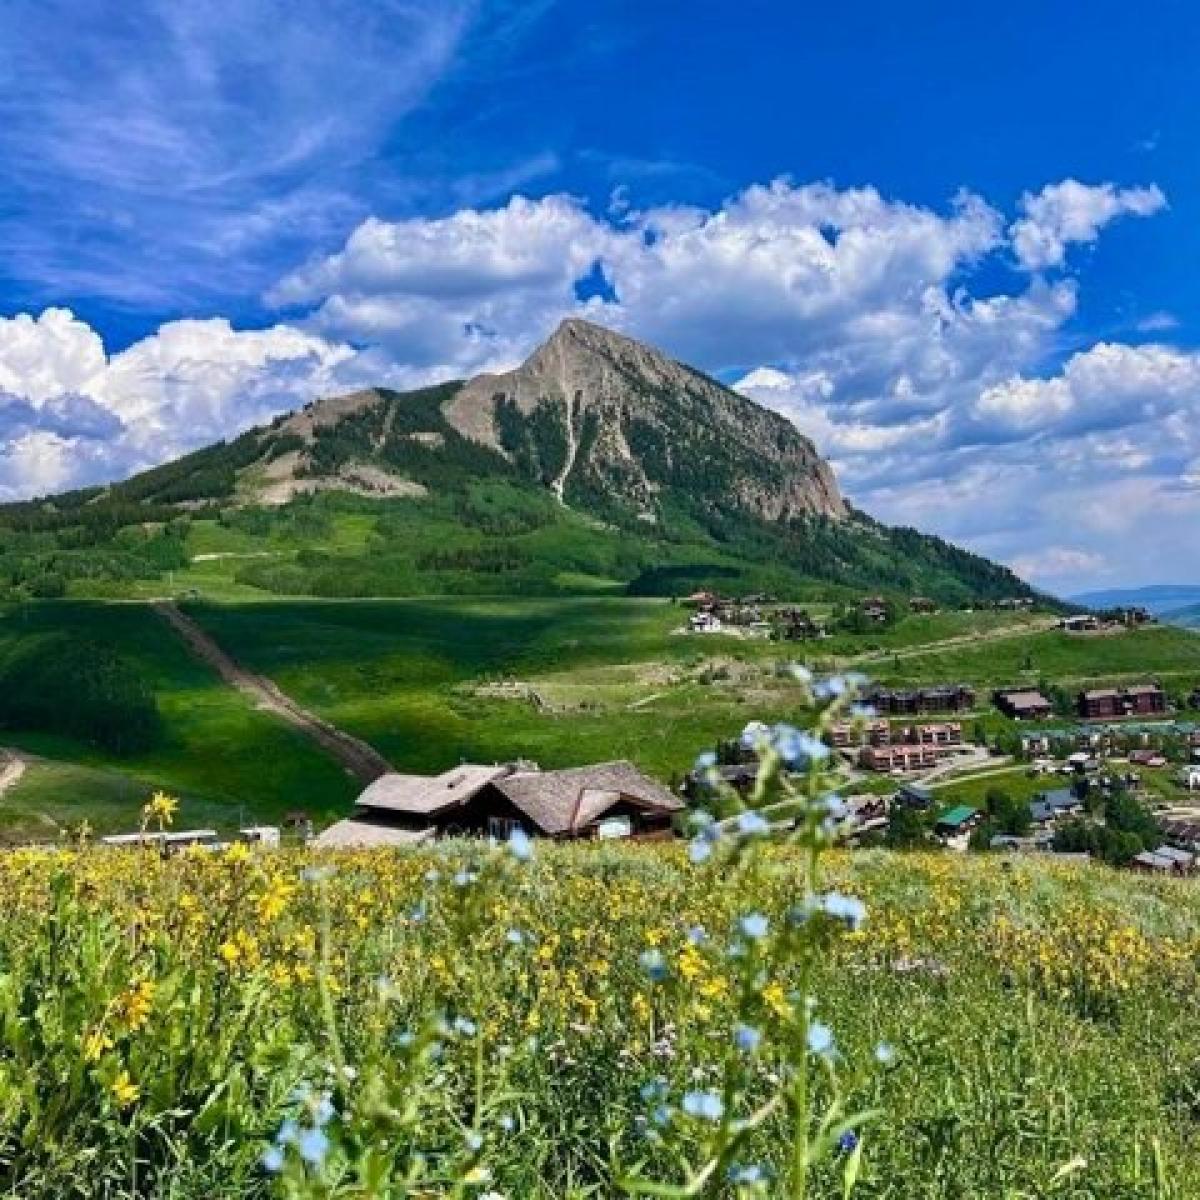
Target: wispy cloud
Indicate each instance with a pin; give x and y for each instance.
(156, 152)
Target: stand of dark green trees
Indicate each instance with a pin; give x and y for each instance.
(60, 684)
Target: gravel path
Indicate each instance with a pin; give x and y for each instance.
(360, 759)
(11, 771)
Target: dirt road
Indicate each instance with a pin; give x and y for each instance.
(11, 770)
(1000, 634)
(360, 759)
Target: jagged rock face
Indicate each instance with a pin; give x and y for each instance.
(595, 413)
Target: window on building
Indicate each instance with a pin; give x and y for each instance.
(502, 828)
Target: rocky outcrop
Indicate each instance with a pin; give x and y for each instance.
(637, 421)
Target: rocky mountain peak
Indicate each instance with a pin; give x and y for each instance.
(602, 420)
(594, 410)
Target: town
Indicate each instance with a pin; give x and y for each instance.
(1104, 772)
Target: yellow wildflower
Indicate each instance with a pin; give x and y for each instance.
(95, 1044)
(124, 1090)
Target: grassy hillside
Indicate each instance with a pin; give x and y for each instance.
(222, 755)
(614, 677)
(499, 537)
(1162, 652)
(433, 681)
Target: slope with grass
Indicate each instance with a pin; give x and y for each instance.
(430, 682)
(226, 758)
(1036, 1023)
(1073, 660)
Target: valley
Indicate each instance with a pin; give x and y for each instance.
(427, 682)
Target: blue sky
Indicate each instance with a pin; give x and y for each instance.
(957, 246)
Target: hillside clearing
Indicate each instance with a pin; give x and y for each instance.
(361, 760)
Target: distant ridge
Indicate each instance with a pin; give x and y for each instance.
(1160, 599)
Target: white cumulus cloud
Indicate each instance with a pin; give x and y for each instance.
(1073, 212)
(935, 384)
(71, 415)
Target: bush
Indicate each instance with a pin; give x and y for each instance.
(50, 586)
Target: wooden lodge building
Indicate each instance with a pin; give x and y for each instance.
(612, 799)
(1101, 704)
(949, 698)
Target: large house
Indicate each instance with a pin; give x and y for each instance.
(910, 702)
(1049, 807)
(612, 799)
(1022, 704)
(903, 757)
(1144, 699)
(946, 736)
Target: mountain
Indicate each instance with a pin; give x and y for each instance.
(599, 463)
(591, 415)
(1188, 618)
(1160, 599)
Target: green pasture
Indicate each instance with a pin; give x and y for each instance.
(219, 752)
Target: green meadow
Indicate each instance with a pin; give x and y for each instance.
(226, 759)
(432, 681)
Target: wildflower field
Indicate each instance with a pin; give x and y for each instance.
(593, 1020)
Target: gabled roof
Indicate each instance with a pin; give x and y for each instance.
(1060, 798)
(555, 801)
(428, 795)
(565, 801)
(1151, 858)
(1183, 857)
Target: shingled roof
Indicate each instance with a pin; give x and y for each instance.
(426, 795)
(565, 801)
(364, 830)
(556, 802)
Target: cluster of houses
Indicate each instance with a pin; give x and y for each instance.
(1180, 853)
(1116, 618)
(1095, 704)
(897, 748)
(750, 615)
(1140, 739)
(876, 609)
